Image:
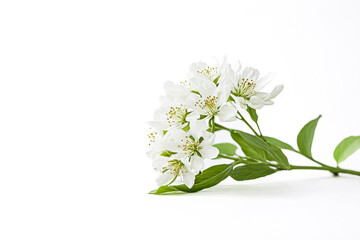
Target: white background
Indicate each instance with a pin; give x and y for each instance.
(79, 80)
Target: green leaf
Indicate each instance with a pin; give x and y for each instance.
(251, 171)
(279, 156)
(164, 189)
(249, 149)
(196, 92)
(167, 153)
(347, 147)
(306, 136)
(216, 80)
(186, 128)
(208, 178)
(226, 148)
(230, 99)
(253, 114)
(279, 143)
(255, 147)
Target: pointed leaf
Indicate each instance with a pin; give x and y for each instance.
(249, 149)
(279, 143)
(251, 171)
(226, 148)
(347, 147)
(306, 136)
(255, 146)
(208, 178)
(279, 156)
(253, 114)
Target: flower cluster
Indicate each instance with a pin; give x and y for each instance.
(182, 134)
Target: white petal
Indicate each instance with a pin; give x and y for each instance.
(223, 93)
(268, 102)
(208, 89)
(209, 152)
(261, 95)
(192, 116)
(179, 156)
(278, 89)
(176, 134)
(255, 75)
(164, 179)
(247, 73)
(173, 140)
(176, 93)
(262, 82)
(238, 69)
(241, 102)
(196, 163)
(250, 73)
(189, 179)
(197, 128)
(158, 163)
(256, 102)
(209, 138)
(227, 113)
(224, 63)
(196, 83)
(229, 76)
(191, 102)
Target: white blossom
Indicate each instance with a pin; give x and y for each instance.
(200, 72)
(171, 170)
(212, 101)
(174, 112)
(156, 139)
(246, 87)
(180, 140)
(192, 146)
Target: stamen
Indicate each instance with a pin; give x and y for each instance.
(210, 73)
(176, 116)
(246, 88)
(208, 104)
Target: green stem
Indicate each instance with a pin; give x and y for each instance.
(212, 122)
(246, 160)
(222, 127)
(248, 124)
(310, 158)
(259, 129)
(315, 161)
(324, 167)
(330, 169)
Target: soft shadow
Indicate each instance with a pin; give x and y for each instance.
(302, 187)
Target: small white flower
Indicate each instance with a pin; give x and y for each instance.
(171, 116)
(175, 93)
(212, 101)
(201, 71)
(193, 146)
(246, 87)
(174, 111)
(156, 138)
(171, 169)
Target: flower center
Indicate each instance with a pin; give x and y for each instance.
(175, 167)
(245, 88)
(209, 105)
(176, 116)
(190, 146)
(210, 73)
